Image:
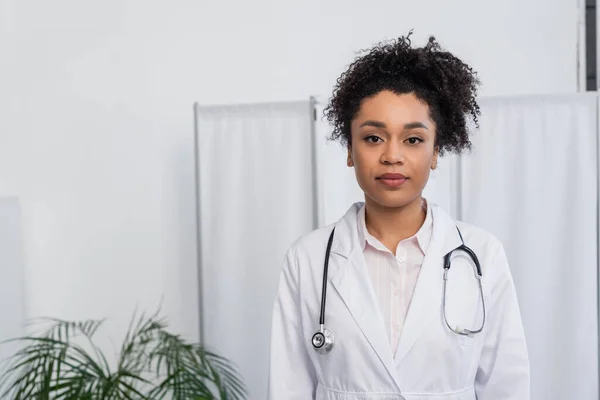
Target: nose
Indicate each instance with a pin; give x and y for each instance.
(392, 154)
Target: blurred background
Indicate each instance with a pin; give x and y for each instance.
(136, 139)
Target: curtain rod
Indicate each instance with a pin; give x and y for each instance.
(316, 100)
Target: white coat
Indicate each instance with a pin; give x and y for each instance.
(431, 361)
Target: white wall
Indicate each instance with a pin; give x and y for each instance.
(11, 276)
(96, 117)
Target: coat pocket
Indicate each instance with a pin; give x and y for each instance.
(325, 393)
(466, 394)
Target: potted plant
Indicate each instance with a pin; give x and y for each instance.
(64, 362)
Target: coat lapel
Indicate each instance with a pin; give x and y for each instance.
(426, 302)
(351, 280)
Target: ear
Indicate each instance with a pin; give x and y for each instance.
(436, 154)
(350, 161)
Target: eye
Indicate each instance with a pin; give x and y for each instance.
(372, 139)
(414, 140)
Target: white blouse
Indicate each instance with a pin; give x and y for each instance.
(394, 276)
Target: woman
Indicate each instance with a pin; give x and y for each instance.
(400, 330)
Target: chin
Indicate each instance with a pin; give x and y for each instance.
(392, 200)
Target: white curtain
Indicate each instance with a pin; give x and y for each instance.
(337, 187)
(256, 196)
(532, 181)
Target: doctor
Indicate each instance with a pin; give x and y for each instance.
(398, 323)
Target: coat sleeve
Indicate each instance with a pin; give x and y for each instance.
(291, 373)
(503, 371)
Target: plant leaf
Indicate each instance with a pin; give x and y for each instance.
(54, 366)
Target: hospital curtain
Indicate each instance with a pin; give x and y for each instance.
(337, 187)
(266, 175)
(532, 180)
(255, 198)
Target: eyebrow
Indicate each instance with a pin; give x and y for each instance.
(381, 125)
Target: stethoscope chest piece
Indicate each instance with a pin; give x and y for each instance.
(323, 341)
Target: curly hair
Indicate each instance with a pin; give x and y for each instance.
(433, 75)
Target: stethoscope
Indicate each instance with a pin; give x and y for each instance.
(324, 339)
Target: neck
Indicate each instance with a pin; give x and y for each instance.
(392, 225)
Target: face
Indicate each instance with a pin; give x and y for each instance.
(393, 148)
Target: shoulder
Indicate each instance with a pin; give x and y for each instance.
(311, 242)
(488, 248)
(479, 237)
(305, 256)
(473, 236)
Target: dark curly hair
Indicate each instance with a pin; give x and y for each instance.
(435, 76)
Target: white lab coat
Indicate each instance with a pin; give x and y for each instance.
(431, 362)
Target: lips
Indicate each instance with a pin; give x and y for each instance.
(392, 176)
(392, 180)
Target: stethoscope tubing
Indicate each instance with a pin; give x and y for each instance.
(447, 265)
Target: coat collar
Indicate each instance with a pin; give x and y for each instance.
(422, 237)
(346, 238)
(352, 277)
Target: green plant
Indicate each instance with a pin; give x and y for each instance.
(65, 363)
